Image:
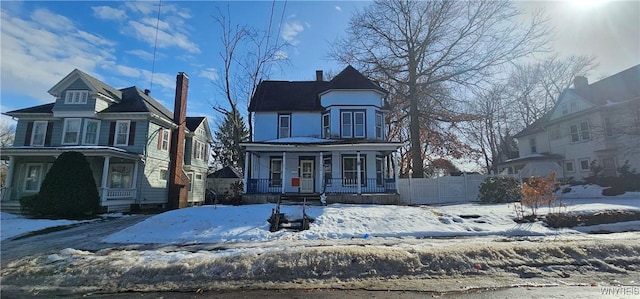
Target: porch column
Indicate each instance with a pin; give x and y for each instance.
(358, 177)
(396, 171)
(103, 184)
(135, 175)
(284, 167)
(321, 176)
(247, 156)
(8, 180)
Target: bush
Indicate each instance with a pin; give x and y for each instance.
(630, 178)
(616, 189)
(28, 203)
(538, 191)
(69, 189)
(500, 190)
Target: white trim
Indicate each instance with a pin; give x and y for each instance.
(75, 114)
(64, 131)
(33, 131)
(38, 179)
(115, 133)
(75, 97)
(84, 135)
(588, 164)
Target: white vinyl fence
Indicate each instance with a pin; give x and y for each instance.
(448, 189)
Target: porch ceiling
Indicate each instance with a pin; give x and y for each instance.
(89, 151)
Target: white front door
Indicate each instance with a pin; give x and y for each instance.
(306, 176)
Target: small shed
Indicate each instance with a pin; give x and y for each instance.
(221, 180)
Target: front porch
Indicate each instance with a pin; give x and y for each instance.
(377, 198)
(115, 173)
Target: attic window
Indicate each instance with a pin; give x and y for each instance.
(76, 97)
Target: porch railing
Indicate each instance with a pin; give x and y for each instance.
(109, 193)
(333, 186)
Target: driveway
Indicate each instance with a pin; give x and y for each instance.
(85, 236)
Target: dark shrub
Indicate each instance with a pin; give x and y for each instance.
(630, 178)
(28, 203)
(616, 189)
(69, 189)
(500, 189)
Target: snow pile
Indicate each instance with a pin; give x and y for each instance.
(14, 225)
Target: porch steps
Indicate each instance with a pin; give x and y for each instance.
(280, 221)
(11, 206)
(312, 199)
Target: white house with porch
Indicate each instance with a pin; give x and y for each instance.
(320, 137)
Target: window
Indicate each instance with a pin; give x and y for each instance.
(584, 131)
(326, 125)
(327, 170)
(584, 165)
(532, 145)
(568, 166)
(199, 151)
(121, 176)
(347, 125)
(573, 107)
(32, 177)
(350, 171)
(122, 132)
(76, 97)
(608, 129)
(91, 129)
(275, 172)
(71, 131)
(163, 143)
(164, 174)
(284, 126)
(555, 133)
(199, 176)
(580, 132)
(379, 171)
(38, 133)
(379, 125)
(353, 124)
(190, 175)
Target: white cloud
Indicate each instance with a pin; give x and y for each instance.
(147, 34)
(338, 8)
(51, 20)
(144, 7)
(281, 55)
(145, 54)
(109, 13)
(54, 45)
(290, 31)
(209, 73)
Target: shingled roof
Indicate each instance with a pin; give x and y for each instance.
(135, 100)
(283, 96)
(46, 108)
(193, 122)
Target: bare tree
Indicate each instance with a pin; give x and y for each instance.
(248, 56)
(534, 88)
(7, 134)
(425, 46)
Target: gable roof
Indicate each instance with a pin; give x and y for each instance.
(194, 122)
(350, 78)
(284, 96)
(98, 85)
(226, 172)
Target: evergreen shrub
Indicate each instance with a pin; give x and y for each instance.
(499, 190)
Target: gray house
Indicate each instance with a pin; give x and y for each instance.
(141, 154)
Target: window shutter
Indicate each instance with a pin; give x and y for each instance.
(27, 137)
(132, 132)
(47, 136)
(195, 148)
(112, 132)
(160, 135)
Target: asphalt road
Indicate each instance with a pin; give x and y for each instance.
(85, 236)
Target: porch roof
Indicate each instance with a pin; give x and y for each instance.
(26, 151)
(320, 145)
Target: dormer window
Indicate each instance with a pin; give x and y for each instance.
(76, 97)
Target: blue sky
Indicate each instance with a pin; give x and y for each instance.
(41, 42)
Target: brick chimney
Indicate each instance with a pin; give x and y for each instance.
(319, 76)
(580, 83)
(178, 180)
